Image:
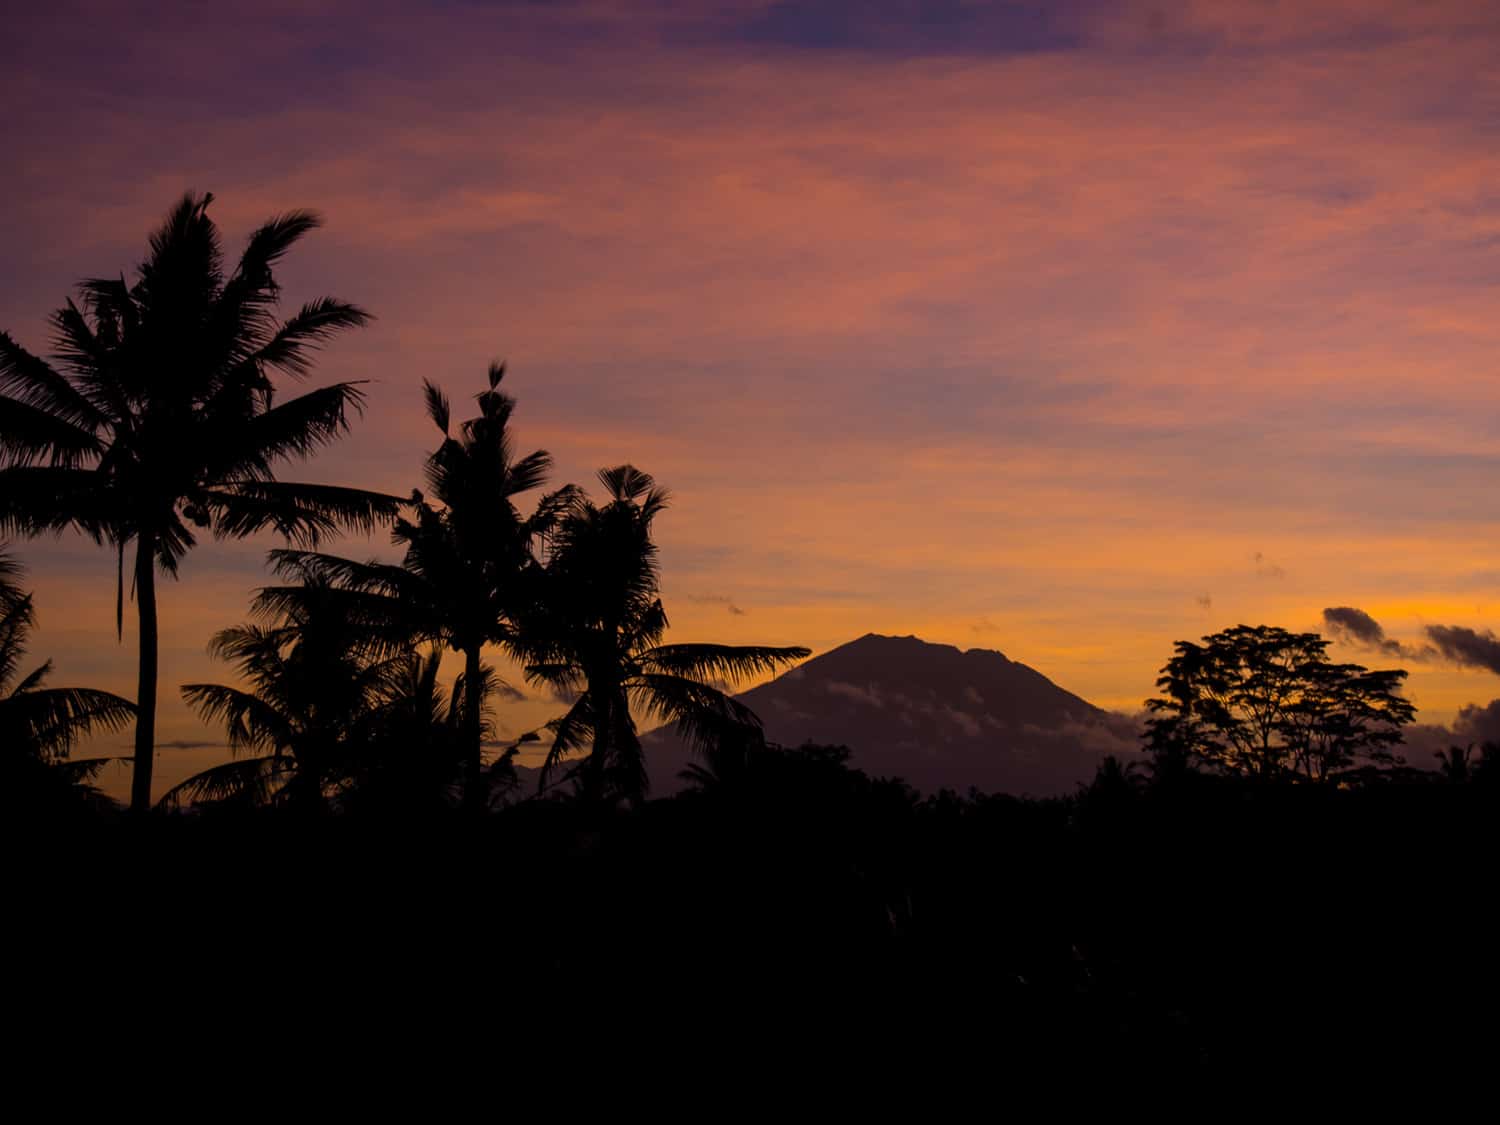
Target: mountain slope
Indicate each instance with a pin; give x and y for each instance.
(932, 714)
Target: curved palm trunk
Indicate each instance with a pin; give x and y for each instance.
(474, 788)
(145, 693)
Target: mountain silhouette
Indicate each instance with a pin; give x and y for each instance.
(933, 714)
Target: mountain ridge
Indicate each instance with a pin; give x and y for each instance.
(933, 714)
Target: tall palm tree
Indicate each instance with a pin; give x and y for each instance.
(317, 694)
(39, 726)
(469, 560)
(158, 415)
(596, 637)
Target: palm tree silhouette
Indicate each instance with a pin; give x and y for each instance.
(1456, 764)
(596, 637)
(318, 692)
(469, 562)
(39, 726)
(160, 416)
(416, 759)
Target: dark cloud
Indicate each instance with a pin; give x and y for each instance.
(1204, 601)
(1475, 724)
(912, 27)
(1352, 626)
(189, 744)
(1356, 627)
(1478, 724)
(1468, 648)
(510, 694)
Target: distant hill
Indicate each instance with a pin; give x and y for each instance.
(932, 714)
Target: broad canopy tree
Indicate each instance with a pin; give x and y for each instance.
(157, 416)
(1262, 702)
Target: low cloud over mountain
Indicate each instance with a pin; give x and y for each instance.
(934, 715)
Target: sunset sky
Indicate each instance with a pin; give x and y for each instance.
(1065, 329)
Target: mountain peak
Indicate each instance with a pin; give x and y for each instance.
(912, 642)
(940, 717)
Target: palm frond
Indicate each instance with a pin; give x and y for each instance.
(255, 781)
(291, 349)
(29, 434)
(82, 771)
(35, 499)
(348, 574)
(249, 721)
(17, 617)
(570, 734)
(702, 714)
(438, 408)
(53, 719)
(529, 472)
(724, 663)
(296, 428)
(303, 513)
(273, 238)
(33, 381)
(33, 680)
(626, 482)
(560, 675)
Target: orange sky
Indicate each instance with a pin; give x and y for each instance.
(1069, 330)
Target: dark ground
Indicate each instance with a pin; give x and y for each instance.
(1203, 930)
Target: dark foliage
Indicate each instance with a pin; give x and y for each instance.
(1258, 701)
(158, 418)
(1203, 925)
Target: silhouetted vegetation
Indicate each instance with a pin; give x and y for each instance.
(39, 725)
(158, 415)
(1260, 702)
(1272, 879)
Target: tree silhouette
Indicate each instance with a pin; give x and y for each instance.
(160, 416)
(318, 692)
(469, 562)
(39, 726)
(416, 757)
(1462, 765)
(1258, 701)
(596, 638)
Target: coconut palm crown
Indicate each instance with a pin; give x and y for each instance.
(156, 417)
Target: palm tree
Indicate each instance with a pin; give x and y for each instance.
(416, 759)
(158, 415)
(39, 726)
(596, 637)
(318, 693)
(469, 563)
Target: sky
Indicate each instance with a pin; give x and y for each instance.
(1069, 330)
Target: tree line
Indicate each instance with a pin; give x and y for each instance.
(156, 419)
